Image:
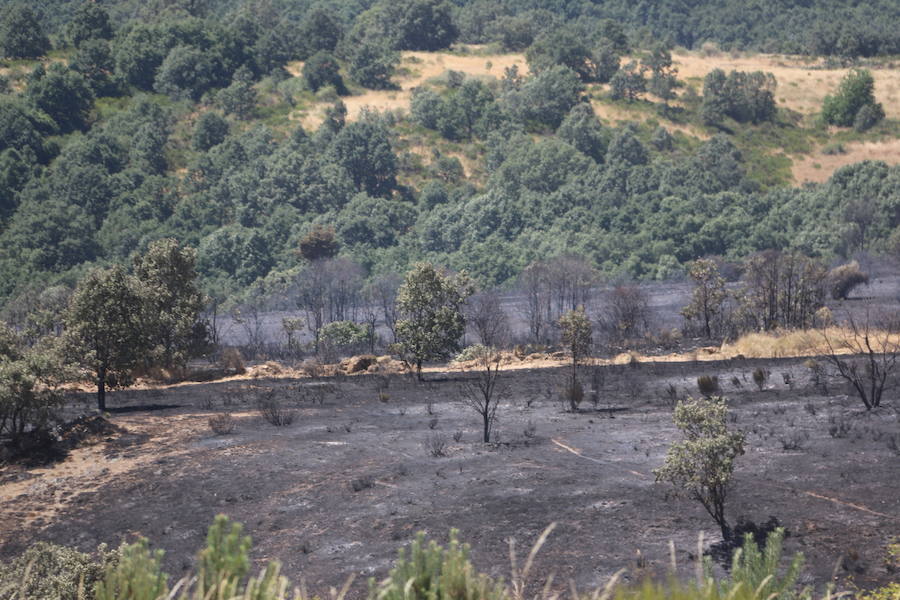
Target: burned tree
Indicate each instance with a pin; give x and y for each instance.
(486, 316)
(482, 393)
(865, 355)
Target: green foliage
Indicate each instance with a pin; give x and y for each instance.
(90, 22)
(63, 94)
(745, 97)
(186, 72)
(545, 100)
(136, 575)
(430, 571)
(583, 130)
(29, 400)
(211, 130)
(343, 336)
(21, 35)
(50, 572)
(322, 69)
(576, 333)
(173, 326)
(701, 465)
(372, 65)
(431, 321)
(758, 570)
(225, 560)
(104, 328)
(239, 98)
(856, 91)
(628, 83)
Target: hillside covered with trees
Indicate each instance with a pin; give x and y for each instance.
(122, 123)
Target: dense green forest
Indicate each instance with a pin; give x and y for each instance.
(147, 120)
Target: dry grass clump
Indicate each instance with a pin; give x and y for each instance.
(231, 360)
(222, 424)
(273, 411)
(707, 384)
(806, 342)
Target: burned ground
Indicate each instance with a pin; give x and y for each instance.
(351, 480)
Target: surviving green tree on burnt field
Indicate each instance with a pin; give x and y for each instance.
(430, 304)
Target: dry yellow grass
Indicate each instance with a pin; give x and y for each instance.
(805, 169)
(809, 342)
(800, 87)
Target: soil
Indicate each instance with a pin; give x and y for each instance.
(336, 493)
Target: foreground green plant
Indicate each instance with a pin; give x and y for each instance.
(424, 571)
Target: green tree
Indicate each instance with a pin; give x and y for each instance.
(562, 47)
(372, 65)
(430, 316)
(63, 94)
(628, 83)
(583, 130)
(29, 377)
(239, 98)
(708, 296)
(211, 130)
(856, 91)
(662, 74)
(90, 22)
(426, 25)
(104, 328)
(576, 333)
(320, 31)
(186, 72)
(322, 69)
(363, 148)
(21, 35)
(94, 61)
(173, 322)
(702, 464)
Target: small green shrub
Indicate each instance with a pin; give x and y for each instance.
(429, 571)
(834, 149)
(136, 576)
(708, 384)
(50, 572)
(471, 353)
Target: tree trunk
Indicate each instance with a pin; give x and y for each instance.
(487, 428)
(419, 370)
(101, 389)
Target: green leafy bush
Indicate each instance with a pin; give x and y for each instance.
(429, 571)
(50, 572)
(857, 90)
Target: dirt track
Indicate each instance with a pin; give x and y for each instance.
(337, 492)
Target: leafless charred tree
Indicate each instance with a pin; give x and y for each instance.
(482, 393)
(866, 356)
(782, 290)
(554, 287)
(329, 290)
(486, 316)
(382, 294)
(627, 312)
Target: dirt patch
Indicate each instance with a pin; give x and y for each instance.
(350, 481)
